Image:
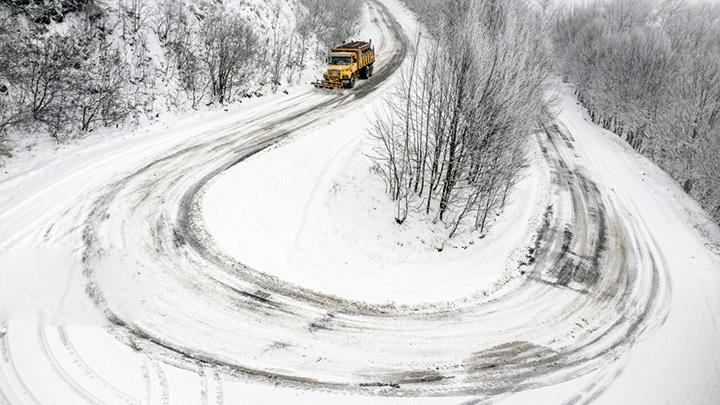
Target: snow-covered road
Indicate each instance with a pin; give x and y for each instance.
(117, 288)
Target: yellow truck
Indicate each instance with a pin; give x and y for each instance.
(347, 63)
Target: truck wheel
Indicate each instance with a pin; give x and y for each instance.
(364, 72)
(352, 81)
(370, 70)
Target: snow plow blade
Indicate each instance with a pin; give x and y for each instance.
(327, 84)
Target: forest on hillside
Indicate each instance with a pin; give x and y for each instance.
(650, 72)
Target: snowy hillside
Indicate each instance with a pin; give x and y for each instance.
(74, 68)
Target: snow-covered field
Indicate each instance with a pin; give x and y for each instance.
(250, 256)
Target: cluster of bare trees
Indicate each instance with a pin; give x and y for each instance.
(650, 72)
(451, 142)
(40, 12)
(228, 53)
(59, 82)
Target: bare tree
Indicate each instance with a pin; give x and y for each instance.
(229, 50)
(278, 43)
(301, 39)
(99, 99)
(135, 15)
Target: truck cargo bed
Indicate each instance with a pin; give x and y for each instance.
(362, 46)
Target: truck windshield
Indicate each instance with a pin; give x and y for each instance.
(339, 60)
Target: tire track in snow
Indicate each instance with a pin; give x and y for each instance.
(209, 378)
(219, 392)
(55, 364)
(164, 388)
(147, 383)
(203, 384)
(9, 376)
(78, 361)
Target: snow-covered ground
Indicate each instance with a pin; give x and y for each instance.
(311, 211)
(250, 256)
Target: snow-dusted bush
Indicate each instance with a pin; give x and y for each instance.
(451, 142)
